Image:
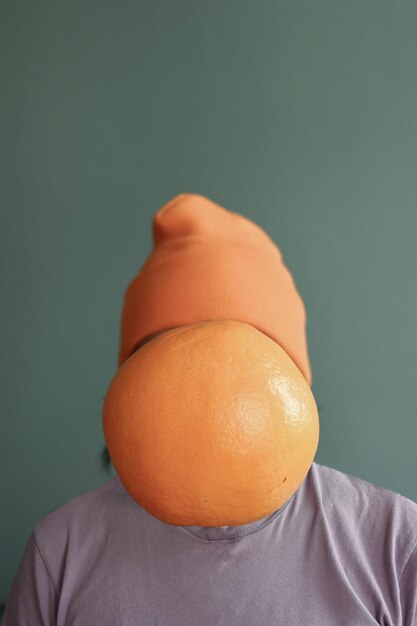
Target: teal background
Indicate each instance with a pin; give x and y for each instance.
(299, 115)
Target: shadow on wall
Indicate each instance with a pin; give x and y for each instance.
(105, 460)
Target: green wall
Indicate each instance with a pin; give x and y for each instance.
(299, 115)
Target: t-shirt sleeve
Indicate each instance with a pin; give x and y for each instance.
(32, 599)
(408, 590)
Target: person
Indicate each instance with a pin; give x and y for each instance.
(339, 551)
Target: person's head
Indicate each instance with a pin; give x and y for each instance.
(207, 264)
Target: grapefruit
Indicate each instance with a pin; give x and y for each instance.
(210, 424)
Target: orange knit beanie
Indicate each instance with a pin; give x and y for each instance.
(209, 263)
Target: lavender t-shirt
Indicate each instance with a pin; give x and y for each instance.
(340, 552)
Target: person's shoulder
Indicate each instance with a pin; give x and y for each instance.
(363, 506)
(349, 486)
(81, 512)
(73, 534)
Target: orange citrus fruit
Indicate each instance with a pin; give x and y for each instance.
(210, 424)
